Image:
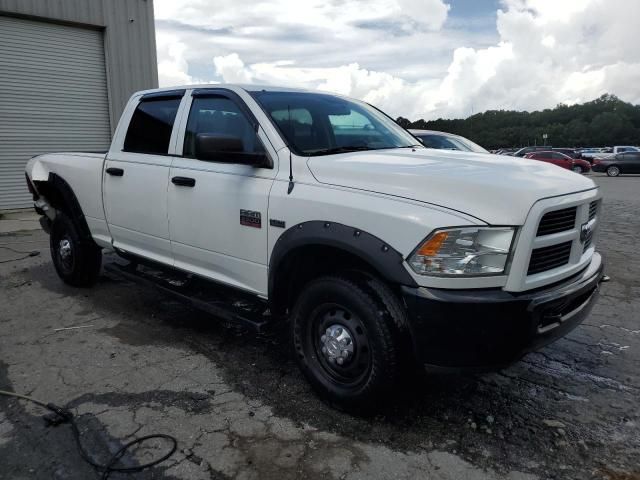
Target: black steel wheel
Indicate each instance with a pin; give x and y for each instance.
(77, 260)
(347, 341)
(340, 341)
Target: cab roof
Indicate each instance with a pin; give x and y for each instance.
(230, 86)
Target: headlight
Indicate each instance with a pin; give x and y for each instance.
(457, 252)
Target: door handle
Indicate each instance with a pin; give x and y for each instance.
(184, 181)
(116, 172)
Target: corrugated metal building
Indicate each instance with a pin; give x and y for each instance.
(67, 69)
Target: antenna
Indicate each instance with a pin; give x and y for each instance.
(291, 184)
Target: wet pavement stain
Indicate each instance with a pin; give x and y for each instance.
(569, 411)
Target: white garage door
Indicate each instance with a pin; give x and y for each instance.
(53, 97)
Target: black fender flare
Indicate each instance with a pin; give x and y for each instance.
(61, 197)
(387, 261)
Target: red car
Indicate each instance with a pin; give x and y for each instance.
(562, 160)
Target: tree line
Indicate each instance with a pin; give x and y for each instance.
(605, 121)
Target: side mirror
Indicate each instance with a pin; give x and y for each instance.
(226, 148)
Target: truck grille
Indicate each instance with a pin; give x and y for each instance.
(558, 240)
(557, 221)
(548, 258)
(587, 242)
(593, 208)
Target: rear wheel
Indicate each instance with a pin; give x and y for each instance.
(347, 341)
(613, 171)
(77, 260)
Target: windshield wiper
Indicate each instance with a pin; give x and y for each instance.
(345, 149)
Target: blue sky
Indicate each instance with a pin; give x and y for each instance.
(473, 8)
(415, 58)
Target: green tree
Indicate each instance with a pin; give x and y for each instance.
(403, 122)
(605, 121)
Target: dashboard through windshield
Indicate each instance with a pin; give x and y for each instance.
(322, 124)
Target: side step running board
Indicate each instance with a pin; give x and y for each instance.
(219, 301)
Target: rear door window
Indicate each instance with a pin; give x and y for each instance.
(151, 125)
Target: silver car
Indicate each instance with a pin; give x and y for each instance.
(446, 141)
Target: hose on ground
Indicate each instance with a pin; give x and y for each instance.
(61, 415)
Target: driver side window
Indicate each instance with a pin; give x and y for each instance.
(219, 116)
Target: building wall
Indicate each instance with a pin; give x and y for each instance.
(129, 37)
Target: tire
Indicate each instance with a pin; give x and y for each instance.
(77, 260)
(361, 316)
(577, 169)
(613, 171)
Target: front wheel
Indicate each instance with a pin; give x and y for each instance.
(347, 341)
(577, 169)
(77, 260)
(613, 171)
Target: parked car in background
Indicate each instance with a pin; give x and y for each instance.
(585, 164)
(525, 150)
(624, 148)
(505, 151)
(614, 165)
(571, 152)
(446, 141)
(590, 153)
(561, 160)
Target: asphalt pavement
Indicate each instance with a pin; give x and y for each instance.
(130, 362)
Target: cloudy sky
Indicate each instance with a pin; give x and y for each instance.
(415, 58)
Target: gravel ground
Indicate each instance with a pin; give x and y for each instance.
(240, 409)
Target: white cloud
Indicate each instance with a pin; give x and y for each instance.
(399, 54)
(172, 65)
(315, 13)
(431, 13)
(232, 69)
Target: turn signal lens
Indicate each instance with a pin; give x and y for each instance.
(431, 247)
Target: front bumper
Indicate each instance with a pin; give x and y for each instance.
(490, 328)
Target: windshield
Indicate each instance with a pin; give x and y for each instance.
(446, 142)
(321, 124)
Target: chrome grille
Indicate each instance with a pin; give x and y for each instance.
(557, 221)
(548, 258)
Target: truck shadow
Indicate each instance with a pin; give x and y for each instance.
(553, 405)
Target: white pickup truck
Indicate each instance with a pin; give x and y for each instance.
(321, 211)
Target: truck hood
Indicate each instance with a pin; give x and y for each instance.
(496, 189)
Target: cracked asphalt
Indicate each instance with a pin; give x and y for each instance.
(239, 407)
